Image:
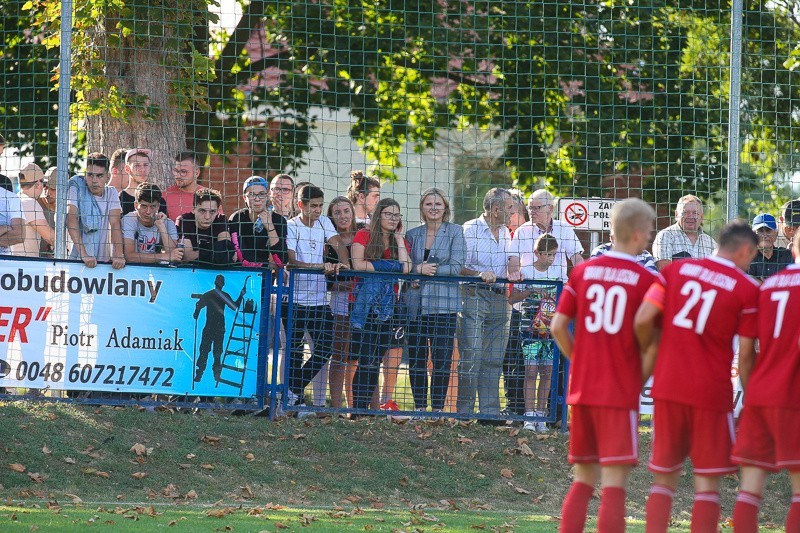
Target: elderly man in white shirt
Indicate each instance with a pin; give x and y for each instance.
(540, 207)
(686, 237)
(485, 311)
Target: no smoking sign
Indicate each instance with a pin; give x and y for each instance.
(593, 214)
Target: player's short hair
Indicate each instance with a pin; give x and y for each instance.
(147, 192)
(309, 192)
(495, 196)
(207, 195)
(628, 216)
(97, 159)
(736, 234)
(546, 243)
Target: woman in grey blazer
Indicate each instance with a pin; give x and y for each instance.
(437, 249)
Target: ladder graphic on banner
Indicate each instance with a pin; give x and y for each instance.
(237, 349)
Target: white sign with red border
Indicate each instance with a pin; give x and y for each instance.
(593, 214)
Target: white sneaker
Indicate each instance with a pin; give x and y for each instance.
(541, 427)
(529, 426)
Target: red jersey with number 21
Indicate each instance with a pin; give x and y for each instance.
(603, 295)
(705, 303)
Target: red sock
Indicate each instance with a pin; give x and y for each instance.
(573, 512)
(705, 513)
(659, 508)
(793, 518)
(611, 518)
(745, 512)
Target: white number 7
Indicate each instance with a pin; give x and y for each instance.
(782, 297)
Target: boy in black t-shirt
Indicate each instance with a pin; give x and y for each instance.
(204, 232)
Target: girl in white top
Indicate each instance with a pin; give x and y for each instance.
(538, 304)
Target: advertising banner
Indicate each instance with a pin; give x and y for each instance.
(154, 330)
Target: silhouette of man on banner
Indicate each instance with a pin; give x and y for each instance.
(215, 302)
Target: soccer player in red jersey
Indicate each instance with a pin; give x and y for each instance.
(769, 428)
(602, 297)
(702, 304)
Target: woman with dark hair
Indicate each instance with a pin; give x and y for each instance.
(258, 234)
(437, 249)
(343, 215)
(381, 248)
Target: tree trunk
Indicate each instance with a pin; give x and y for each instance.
(140, 71)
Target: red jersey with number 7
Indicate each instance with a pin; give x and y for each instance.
(602, 295)
(705, 304)
(776, 374)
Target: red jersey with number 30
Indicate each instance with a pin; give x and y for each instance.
(602, 295)
(705, 303)
(775, 377)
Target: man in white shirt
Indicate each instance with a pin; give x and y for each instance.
(307, 234)
(540, 207)
(102, 241)
(32, 186)
(484, 319)
(686, 237)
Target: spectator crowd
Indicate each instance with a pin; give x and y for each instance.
(356, 328)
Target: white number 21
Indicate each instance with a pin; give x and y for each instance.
(695, 293)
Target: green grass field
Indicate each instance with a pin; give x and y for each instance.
(69, 466)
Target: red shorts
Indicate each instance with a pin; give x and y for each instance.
(681, 431)
(769, 438)
(605, 435)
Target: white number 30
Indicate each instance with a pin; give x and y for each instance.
(607, 308)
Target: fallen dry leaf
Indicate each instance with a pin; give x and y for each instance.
(280, 525)
(46, 450)
(69, 460)
(191, 495)
(16, 467)
(138, 449)
(185, 465)
(507, 473)
(520, 490)
(299, 436)
(190, 456)
(207, 466)
(250, 457)
(208, 439)
(219, 513)
(464, 440)
(139, 475)
(74, 498)
(36, 477)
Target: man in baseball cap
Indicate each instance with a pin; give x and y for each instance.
(769, 258)
(31, 187)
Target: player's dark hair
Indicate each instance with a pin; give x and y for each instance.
(97, 159)
(736, 234)
(147, 192)
(207, 195)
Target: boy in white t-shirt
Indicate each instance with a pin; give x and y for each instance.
(306, 236)
(538, 304)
